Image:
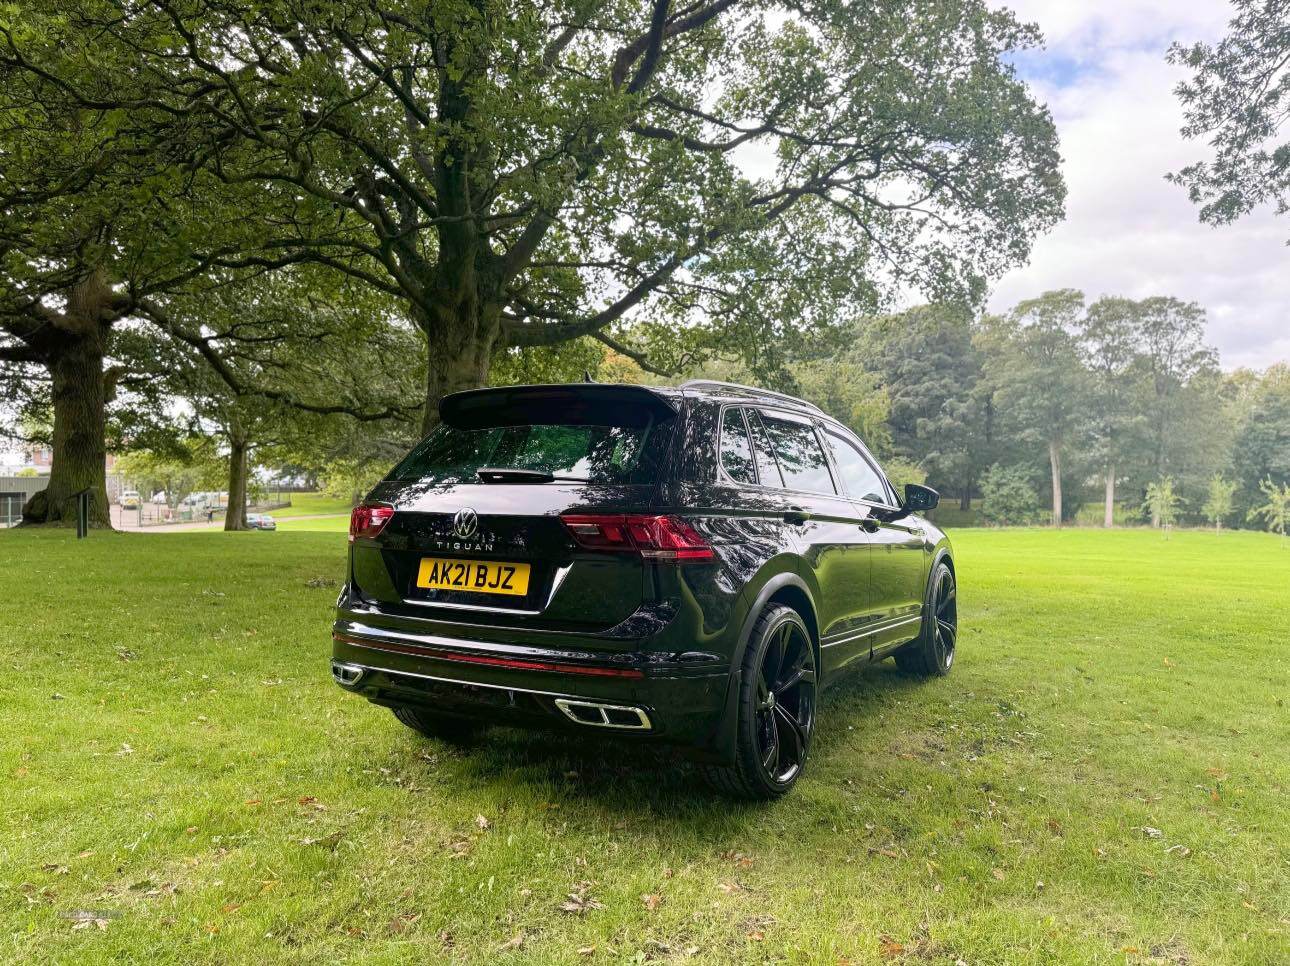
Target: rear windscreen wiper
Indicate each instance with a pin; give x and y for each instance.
(508, 474)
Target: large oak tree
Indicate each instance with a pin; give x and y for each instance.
(523, 175)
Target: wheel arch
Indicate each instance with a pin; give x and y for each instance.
(787, 588)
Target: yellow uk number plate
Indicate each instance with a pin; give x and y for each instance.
(474, 576)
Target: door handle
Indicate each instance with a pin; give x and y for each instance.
(796, 514)
(869, 525)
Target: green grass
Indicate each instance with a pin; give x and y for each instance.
(304, 504)
(338, 523)
(174, 755)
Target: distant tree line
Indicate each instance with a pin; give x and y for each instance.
(1062, 403)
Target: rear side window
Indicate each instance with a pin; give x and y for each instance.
(860, 478)
(736, 448)
(798, 453)
(579, 452)
(767, 469)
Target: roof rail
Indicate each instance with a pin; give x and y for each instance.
(740, 389)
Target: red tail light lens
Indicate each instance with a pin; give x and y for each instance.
(654, 537)
(368, 520)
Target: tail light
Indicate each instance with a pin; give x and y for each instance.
(368, 520)
(653, 537)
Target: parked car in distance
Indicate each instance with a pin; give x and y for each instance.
(261, 521)
(687, 566)
(129, 500)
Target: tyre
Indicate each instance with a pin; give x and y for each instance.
(931, 654)
(776, 709)
(444, 727)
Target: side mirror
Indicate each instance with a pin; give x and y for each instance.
(919, 498)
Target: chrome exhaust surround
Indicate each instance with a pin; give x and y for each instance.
(346, 675)
(598, 715)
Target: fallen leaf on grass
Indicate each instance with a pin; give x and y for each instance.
(587, 951)
(482, 823)
(55, 868)
(513, 943)
(651, 900)
(730, 887)
(889, 948)
(580, 904)
(1151, 833)
(756, 935)
(998, 874)
(230, 907)
(1181, 850)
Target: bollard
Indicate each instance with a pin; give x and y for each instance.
(82, 514)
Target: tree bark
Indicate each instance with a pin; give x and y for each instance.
(238, 448)
(965, 499)
(461, 334)
(1108, 519)
(80, 396)
(1055, 461)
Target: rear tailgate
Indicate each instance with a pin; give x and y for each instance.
(587, 448)
(566, 588)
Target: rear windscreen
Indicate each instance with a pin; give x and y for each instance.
(587, 449)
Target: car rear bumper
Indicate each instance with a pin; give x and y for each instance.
(638, 694)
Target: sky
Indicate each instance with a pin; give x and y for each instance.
(1127, 230)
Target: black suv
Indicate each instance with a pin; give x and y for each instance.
(686, 566)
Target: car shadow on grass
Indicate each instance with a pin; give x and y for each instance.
(631, 779)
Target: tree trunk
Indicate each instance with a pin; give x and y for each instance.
(965, 499)
(1108, 519)
(460, 337)
(235, 516)
(1055, 461)
(80, 395)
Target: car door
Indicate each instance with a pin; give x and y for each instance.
(898, 559)
(828, 530)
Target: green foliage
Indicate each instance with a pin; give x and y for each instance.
(1235, 101)
(1276, 511)
(850, 394)
(928, 367)
(1007, 496)
(1218, 503)
(1162, 502)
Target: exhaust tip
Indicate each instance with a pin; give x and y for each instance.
(346, 675)
(599, 715)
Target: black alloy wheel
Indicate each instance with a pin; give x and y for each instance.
(945, 611)
(776, 709)
(932, 652)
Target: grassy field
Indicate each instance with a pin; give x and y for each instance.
(305, 504)
(1104, 778)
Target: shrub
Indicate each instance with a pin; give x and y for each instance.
(1007, 496)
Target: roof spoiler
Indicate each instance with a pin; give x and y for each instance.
(592, 403)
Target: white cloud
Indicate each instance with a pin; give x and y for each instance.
(1127, 230)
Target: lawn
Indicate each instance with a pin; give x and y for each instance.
(1104, 778)
(308, 504)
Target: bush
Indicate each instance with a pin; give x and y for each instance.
(1007, 496)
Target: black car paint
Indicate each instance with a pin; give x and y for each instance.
(856, 570)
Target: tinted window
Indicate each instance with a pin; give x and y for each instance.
(736, 448)
(585, 452)
(797, 450)
(860, 478)
(767, 470)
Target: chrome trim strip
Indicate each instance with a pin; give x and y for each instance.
(472, 684)
(566, 705)
(888, 626)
